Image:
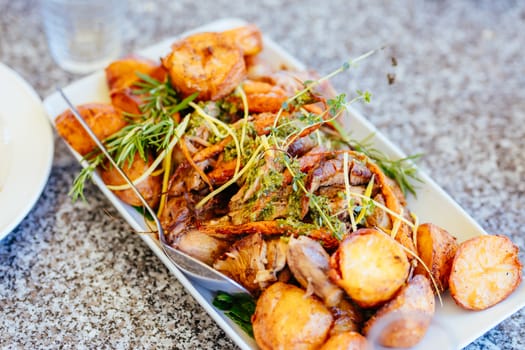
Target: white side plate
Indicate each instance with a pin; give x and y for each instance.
(432, 204)
(26, 149)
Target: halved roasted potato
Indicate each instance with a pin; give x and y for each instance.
(370, 266)
(205, 63)
(288, 318)
(248, 38)
(436, 248)
(103, 119)
(150, 187)
(485, 270)
(121, 74)
(403, 321)
(121, 77)
(346, 341)
(347, 317)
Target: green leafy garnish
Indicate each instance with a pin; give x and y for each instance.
(152, 130)
(144, 212)
(318, 205)
(402, 170)
(154, 127)
(238, 307)
(368, 205)
(77, 190)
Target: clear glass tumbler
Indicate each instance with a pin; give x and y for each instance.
(83, 35)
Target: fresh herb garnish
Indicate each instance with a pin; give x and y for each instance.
(77, 190)
(318, 204)
(152, 130)
(238, 307)
(367, 205)
(402, 170)
(155, 126)
(143, 212)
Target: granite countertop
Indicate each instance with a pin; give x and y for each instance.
(74, 275)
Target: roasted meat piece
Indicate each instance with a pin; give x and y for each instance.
(200, 245)
(309, 263)
(253, 262)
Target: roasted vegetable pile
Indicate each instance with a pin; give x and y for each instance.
(251, 172)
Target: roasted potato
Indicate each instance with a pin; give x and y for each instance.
(436, 248)
(370, 266)
(485, 270)
(126, 101)
(346, 341)
(205, 63)
(261, 97)
(103, 119)
(394, 200)
(150, 188)
(403, 321)
(248, 38)
(347, 317)
(287, 318)
(121, 75)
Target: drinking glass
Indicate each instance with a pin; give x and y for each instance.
(83, 35)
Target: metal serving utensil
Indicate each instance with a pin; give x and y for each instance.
(201, 273)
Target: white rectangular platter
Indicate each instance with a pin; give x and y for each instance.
(431, 205)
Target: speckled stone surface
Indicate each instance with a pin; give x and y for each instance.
(73, 275)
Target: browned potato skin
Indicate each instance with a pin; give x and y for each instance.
(347, 317)
(345, 341)
(121, 75)
(126, 101)
(436, 247)
(150, 188)
(286, 318)
(370, 266)
(261, 97)
(485, 271)
(415, 298)
(205, 63)
(248, 38)
(103, 119)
